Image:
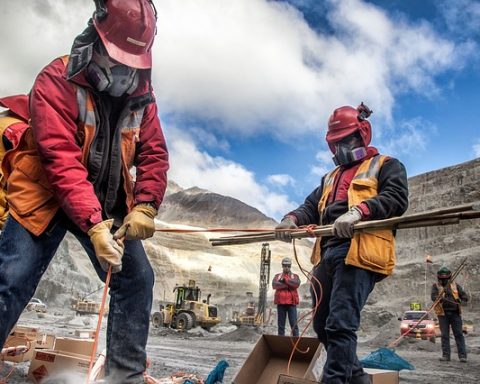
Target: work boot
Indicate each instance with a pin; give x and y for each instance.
(463, 359)
(444, 358)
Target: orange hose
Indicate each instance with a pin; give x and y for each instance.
(99, 323)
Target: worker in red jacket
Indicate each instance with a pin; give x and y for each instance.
(93, 118)
(285, 285)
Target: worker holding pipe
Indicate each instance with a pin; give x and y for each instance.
(365, 185)
(93, 117)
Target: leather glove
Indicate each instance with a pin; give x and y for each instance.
(343, 226)
(282, 235)
(108, 251)
(139, 224)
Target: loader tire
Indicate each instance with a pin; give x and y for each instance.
(184, 321)
(157, 319)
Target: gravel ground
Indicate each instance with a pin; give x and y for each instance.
(198, 351)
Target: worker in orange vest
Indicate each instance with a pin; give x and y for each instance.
(449, 312)
(365, 185)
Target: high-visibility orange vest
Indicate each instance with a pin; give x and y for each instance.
(441, 292)
(371, 250)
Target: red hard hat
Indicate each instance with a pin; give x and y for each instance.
(346, 120)
(127, 29)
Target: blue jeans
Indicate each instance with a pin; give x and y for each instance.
(25, 257)
(343, 292)
(282, 311)
(454, 320)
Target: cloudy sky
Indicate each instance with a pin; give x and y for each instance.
(245, 87)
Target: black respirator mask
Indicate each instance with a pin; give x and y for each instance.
(109, 76)
(349, 150)
(443, 282)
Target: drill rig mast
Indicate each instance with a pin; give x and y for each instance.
(263, 283)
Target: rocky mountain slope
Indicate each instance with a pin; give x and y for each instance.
(229, 272)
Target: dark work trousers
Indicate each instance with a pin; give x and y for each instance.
(454, 320)
(342, 293)
(282, 311)
(25, 257)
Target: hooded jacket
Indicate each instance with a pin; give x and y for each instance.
(53, 168)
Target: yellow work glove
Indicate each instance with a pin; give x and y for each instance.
(139, 224)
(108, 251)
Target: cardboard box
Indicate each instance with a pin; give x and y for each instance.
(45, 341)
(15, 341)
(27, 332)
(85, 333)
(268, 362)
(383, 376)
(51, 362)
(78, 346)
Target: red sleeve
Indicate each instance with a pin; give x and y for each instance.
(54, 113)
(151, 160)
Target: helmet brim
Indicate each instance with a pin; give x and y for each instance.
(142, 61)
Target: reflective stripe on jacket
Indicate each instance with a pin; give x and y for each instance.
(371, 250)
(50, 164)
(286, 292)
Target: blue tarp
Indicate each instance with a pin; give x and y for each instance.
(216, 376)
(385, 358)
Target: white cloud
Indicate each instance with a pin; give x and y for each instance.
(281, 180)
(319, 170)
(257, 66)
(476, 148)
(462, 16)
(192, 167)
(250, 66)
(409, 137)
(324, 157)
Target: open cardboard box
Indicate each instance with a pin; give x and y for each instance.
(268, 361)
(47, 363)
(25, 336)
(73, 345)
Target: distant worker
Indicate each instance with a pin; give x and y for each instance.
(449, 313)
(364, 186)
(93, 119)
(285, 285)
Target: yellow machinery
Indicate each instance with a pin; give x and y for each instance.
(187, 311)
(87, 307)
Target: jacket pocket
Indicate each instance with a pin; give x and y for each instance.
(28, 188)
(376, 250)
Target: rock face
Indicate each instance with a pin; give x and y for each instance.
(447, 245)
(229, 272)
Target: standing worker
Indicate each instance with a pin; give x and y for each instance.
(93, 117)
(364, 186)
(285, 285)
(449, 313)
